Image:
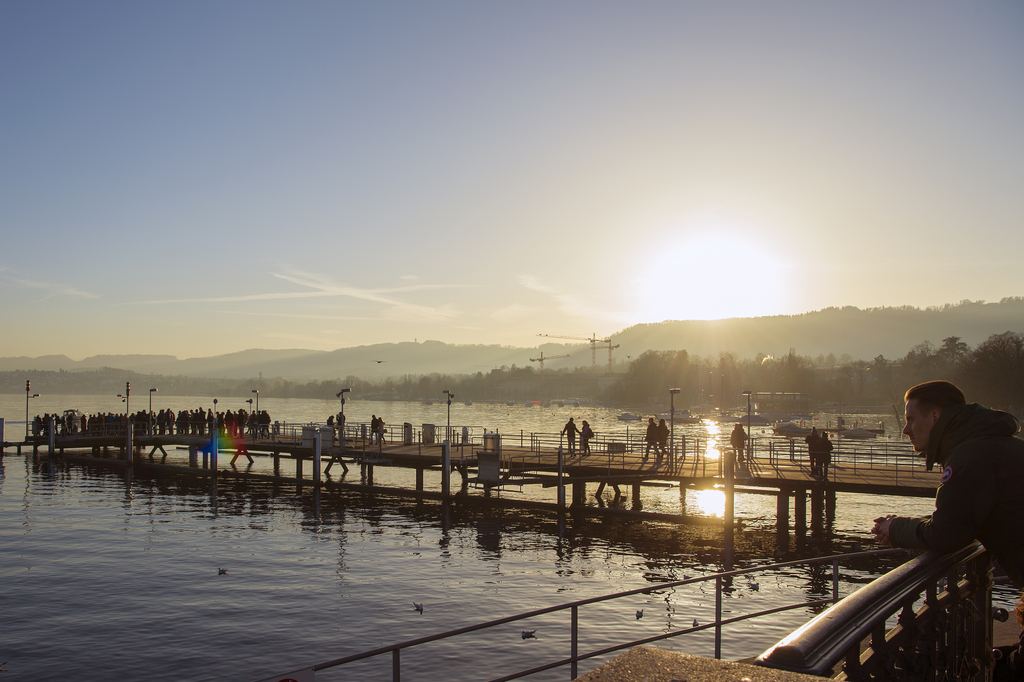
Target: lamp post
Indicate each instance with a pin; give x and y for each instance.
(256, 391)
(750, 439)
(28, 395)
(341, 434)
(151, 392)
(128, 397)
(672, 429)
(448, 430)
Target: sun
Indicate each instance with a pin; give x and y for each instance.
(709, 273)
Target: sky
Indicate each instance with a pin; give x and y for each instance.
(198, 178)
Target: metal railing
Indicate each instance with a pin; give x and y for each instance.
(948, 637)
(574, 621)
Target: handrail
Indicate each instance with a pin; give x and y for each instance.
(819, 645)
(574, 606)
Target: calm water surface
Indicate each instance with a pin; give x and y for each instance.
(105, 575)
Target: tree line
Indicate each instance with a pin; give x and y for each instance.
(991, 373)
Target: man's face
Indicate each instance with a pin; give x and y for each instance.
(919, 424)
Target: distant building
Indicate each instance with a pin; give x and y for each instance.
(789, 403)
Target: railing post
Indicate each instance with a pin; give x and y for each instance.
(835, 581)
(574, 627)
(396, 665)
(718, 617)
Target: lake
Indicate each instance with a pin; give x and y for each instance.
(106, 575)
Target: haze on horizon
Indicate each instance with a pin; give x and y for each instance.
(196, 178)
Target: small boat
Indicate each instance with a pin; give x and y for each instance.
(790, 430)
(628, 417)
(528, 404)
(560, 403)
(510, 402)
(468, 402)
(858, 434)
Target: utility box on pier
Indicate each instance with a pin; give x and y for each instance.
(492, 442)
(309, 435)
(407, 433)
(428, 434)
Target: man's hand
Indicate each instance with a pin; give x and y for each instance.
(881, 529)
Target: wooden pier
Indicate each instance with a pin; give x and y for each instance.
(492, 465)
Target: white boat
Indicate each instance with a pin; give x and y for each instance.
(858, 434)
(790, 430)
(628, 417)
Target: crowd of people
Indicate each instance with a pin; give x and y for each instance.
(197, 422)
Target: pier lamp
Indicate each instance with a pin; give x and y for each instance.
(28, 396)
(341, 394)
(256, 391)
(449, 430)
(151, 392)
(128, 397)
(672, 415)
(750, 438)
(341, 435)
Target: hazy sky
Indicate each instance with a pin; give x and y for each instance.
(195, 178)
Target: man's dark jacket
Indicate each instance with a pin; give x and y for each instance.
(982, 493)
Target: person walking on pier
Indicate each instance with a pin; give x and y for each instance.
(824, 454)
(738, 440)
(981, 493)
(570, 431)
(650, 438)
(585, 435)
(813, 450)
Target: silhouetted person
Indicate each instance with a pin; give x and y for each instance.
(650, 438)
(570, 431)
(662, 435)
(585, 435)
(738, 440)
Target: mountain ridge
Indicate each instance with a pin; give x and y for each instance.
(840, 331)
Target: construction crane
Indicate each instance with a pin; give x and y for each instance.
(594, 343)
(541, 359)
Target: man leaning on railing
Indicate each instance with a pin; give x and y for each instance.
(981, 494)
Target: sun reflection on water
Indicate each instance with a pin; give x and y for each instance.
(709, 502)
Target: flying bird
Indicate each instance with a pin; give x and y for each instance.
(639, 614)
(222, 571)
(529, 634)
(380, 361)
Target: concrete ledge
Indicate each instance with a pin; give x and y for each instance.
(647, 664)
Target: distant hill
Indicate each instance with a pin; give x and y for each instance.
(862, 334)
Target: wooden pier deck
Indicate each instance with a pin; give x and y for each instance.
(525, 465)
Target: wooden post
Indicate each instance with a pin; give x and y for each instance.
(782, 511)
(277, 464)
(419, 478)
(561, 479)
(730, 505)
(316, 457)
(817, 504)
(579, 493)
(446, 470)
(214, 446)
(637, 505)
(53, 437)
(800, 512)
(129, 449)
